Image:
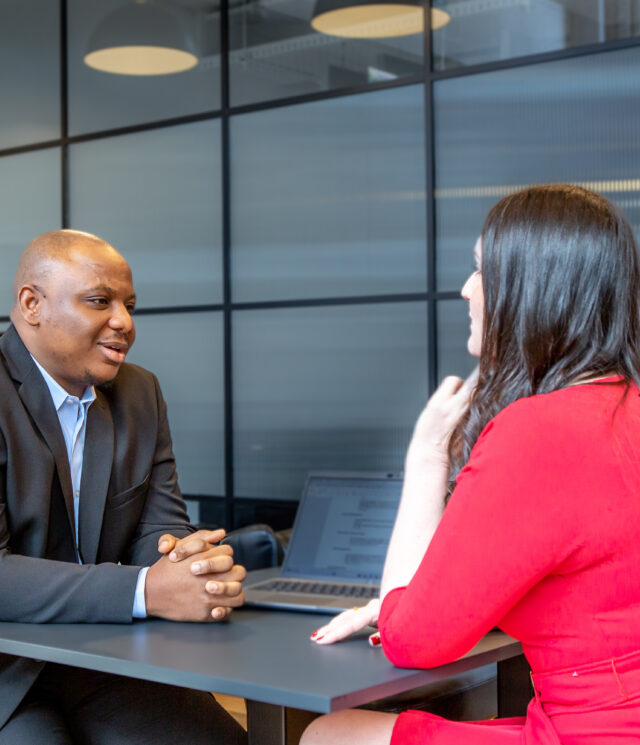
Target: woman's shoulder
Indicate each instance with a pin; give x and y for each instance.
(572, 410)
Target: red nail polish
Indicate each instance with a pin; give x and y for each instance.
(374, 640)
(315, 633)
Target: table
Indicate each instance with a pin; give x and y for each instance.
(263, 656)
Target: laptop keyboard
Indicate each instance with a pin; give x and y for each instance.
(321, 588)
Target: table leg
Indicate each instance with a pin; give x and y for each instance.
(514, 687)
(268, 724)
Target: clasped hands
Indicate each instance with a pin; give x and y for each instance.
(194, 580)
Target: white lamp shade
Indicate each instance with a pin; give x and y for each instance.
(366, 19)
(142, 38)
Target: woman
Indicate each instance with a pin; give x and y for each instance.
(541, 535)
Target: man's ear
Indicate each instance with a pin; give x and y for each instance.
(30, 304)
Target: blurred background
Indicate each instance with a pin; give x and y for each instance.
(297, 185)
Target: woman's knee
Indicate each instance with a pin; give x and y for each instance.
(350, 727)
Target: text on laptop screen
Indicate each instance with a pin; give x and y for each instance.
(344, 528)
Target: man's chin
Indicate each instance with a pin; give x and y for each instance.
(103, 376)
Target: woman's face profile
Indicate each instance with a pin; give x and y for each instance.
(473, 294)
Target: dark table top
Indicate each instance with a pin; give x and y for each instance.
(264, 656)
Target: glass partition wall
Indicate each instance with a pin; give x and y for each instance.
(299, 206)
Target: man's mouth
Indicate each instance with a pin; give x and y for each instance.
(115, 351)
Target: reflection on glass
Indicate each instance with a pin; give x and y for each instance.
(275, 53)
(30, 205)
(574, 120)
(453, 333)
(103, 100)
(30, 80)
(334, 388)
(185, 352)
(328, 198)
(156, 196)
(502, 29)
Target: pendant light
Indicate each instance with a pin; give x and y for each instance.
(143, 37)
(367, 19)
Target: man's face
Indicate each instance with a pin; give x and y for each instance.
(85, 328)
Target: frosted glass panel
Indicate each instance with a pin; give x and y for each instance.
(574, 120)
(100, 100)
(185, 352)
(156, 196)
(328, 198)
(484, 31)
(30, 205)
(324, 388)
(30, 64)
(275, 53)
(453, 333)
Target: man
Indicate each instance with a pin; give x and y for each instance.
(88, 498)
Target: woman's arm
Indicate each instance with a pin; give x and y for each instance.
(421, 505)
(425, 482)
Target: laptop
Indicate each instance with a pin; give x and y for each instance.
(338, 545)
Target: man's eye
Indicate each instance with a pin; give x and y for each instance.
(99, 300)
(131, 309)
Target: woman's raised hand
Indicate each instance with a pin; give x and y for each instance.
(347, 623)
(439, 417)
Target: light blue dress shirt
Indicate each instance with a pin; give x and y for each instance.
(72, 415)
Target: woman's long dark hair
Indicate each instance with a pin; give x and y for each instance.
(561, 279)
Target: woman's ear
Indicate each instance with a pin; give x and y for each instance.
(30, 304)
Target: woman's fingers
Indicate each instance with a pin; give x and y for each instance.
(347, 623)
(449, 386)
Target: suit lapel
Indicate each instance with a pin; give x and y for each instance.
(37, 400)
(96, 472)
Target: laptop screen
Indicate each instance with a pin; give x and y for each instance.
(343, 527)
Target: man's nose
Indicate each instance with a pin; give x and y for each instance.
(121, 318)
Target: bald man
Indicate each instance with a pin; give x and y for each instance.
(92, 524)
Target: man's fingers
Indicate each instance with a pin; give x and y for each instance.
(221, 614)
(166, 543)
(188, 548)
(227, 603)
(198, 541)
(196, 544)
(215, 587)
(213, 565)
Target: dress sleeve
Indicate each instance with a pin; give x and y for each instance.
(501, 533)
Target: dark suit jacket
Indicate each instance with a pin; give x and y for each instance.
(129, 497)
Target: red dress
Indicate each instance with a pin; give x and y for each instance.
(541, 538)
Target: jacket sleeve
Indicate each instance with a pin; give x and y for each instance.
(41, 590)
(164, 510)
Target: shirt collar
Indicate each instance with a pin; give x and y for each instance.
(58, 393)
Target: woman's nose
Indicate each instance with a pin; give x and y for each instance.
(466, 288)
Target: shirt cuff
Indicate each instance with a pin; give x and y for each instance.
(139, 606)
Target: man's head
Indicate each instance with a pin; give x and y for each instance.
(73, 299)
